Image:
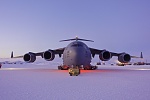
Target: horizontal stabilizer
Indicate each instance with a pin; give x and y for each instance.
(76, 40)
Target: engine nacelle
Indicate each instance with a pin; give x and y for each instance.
(124, 58)
(49, 55)
(105, 55)
(29, 57)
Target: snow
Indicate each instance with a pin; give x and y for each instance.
(42, 81)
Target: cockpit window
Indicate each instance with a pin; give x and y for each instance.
(77, 45)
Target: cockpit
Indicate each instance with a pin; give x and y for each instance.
(77, 45)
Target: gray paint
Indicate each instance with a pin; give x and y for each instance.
(77, 53)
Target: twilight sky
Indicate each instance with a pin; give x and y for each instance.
(38, 25)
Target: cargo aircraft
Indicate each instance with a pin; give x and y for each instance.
(77, 54)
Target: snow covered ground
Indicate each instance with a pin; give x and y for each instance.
(42, 81)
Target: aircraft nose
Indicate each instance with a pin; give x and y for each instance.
(78, 56)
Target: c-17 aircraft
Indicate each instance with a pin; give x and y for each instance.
(77, 54)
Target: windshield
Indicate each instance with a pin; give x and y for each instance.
(77, 45)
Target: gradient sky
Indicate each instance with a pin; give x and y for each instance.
(38, 25)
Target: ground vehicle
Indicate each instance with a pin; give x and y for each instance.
(74, 71)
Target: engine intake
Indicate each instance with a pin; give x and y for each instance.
(29, 57)
(124, 58)
(49, 55)
(105, 55)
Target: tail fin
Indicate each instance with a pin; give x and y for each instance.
(141, 55)
(12, 55)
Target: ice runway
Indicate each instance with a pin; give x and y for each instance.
(45, 82)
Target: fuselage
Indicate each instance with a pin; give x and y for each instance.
(77, 54)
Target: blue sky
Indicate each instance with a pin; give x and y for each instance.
(38, 25)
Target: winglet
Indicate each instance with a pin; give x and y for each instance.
(141, 55)
(12, 55)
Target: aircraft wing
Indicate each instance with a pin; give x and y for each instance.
(97, 51)
(17, 57)
(56, 51)
(59, 51)
(135, 57)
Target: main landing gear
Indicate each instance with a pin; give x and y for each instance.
(85, 68)
(63, 67)
(75, 70)
(90, 68)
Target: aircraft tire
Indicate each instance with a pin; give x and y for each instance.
(70, 74)
(59, 68)
(85, 68)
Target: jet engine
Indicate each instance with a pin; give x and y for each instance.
(49, 55)
(29, 57)
(124, 58)
(105, 55)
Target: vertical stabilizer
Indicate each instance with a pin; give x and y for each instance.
(12, 55)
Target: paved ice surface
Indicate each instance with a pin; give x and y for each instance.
(41, 81)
